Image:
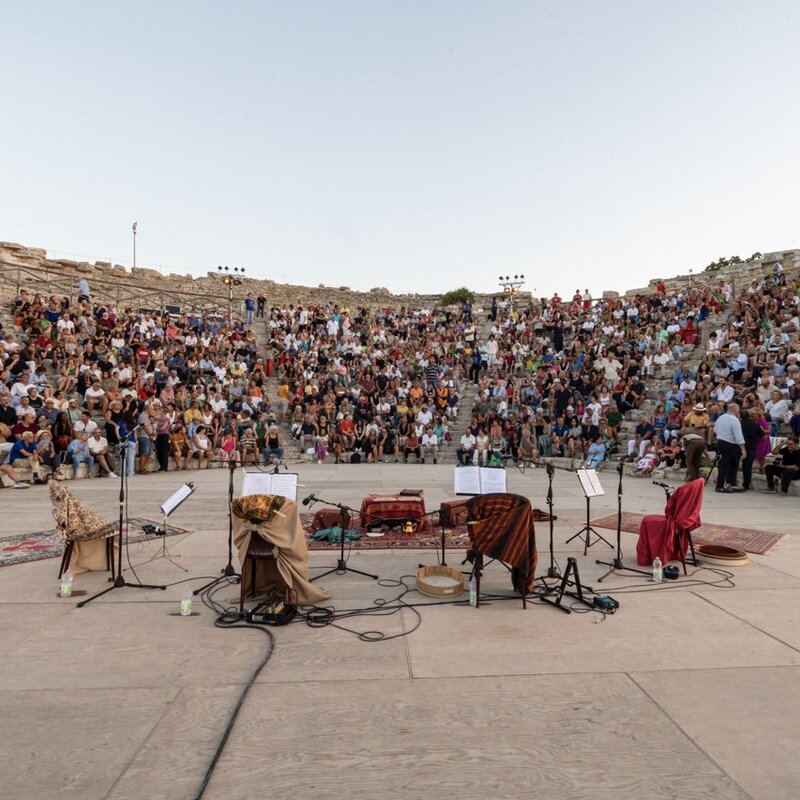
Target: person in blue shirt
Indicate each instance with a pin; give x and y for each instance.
(25, 449)
(731, 448)
(79, 453)
(249, 308)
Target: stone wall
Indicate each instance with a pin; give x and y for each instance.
(739, 275)
(29, 267)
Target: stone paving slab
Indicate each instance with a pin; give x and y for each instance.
(523, 702)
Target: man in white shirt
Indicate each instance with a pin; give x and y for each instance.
(20, 388)
(425, 416)
(85, 423)
(95, 394)
(465, 452)
(724, 392)
(98, 447)
(430, 443)
(765, 388)
(777, 408)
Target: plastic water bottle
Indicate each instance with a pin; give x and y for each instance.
(186, 602)
(66, 584)
(473, 591)
(658, 570)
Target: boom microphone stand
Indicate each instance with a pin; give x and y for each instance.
(119, 581)
(617, 564)
(341, 567)
(228, 570)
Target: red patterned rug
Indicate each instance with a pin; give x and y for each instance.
(429, 539)
(746, 539)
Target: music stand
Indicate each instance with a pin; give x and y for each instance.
(228, 571)
(170, 505)
(591, 488)
(118, 581)
(617, 563)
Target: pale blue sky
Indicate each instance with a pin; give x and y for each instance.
(414, 145)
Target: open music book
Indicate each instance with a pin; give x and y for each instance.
(590, 483)
(283, 484)
(479, 480)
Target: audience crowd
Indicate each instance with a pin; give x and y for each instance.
(552, 377)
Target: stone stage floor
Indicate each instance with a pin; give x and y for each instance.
(686, 692)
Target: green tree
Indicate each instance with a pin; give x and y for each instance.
(461, 295)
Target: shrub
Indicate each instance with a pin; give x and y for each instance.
(462, 295)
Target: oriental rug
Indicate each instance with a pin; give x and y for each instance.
(747, 539)
(24, 547)
(428, 539)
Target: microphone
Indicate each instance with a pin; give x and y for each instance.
(310, 499)
(662, 485)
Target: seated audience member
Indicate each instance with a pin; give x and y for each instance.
(787, 468)
(98, 447)
(430, 444)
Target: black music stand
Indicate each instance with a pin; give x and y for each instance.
(591, 488)
(616, 564)
(228, 571)
(119, 582)
(170, 505)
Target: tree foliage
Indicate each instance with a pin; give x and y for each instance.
(462, 295)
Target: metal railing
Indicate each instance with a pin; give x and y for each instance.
(121, 293)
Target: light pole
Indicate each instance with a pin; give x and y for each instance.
(690, 278)
(134, 244)
(511, 286)
(230, 281)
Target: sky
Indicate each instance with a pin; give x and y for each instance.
(420, 146)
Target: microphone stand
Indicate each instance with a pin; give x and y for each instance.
(228, 571)
(118, 581)
(341, 567)
(616, 564)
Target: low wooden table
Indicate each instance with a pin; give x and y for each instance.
(393, 509)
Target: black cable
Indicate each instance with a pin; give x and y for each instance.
(232, 721)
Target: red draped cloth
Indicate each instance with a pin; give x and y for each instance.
(503, 528)
(377, 509)
(664, 535)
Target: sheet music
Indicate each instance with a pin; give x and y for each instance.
(590, 483)
(283, 484)
(467, 480)
(170, 504)
(493, 480)
(479, 480)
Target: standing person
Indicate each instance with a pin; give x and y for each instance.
(694, 446)
(261, 303)
(249, 308)
(730, 445)
(162, 423)
(147, 433)
(83, 291)
(752, 432)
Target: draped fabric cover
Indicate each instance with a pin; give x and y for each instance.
(663, 535)
(503, 528)
(78, 524)
(277, 521)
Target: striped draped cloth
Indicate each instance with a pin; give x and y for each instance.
(502, 527)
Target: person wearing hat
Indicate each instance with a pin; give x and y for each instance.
(699, 421)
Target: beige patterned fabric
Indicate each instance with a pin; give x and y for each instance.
(277, 521)
(74, 521)
(86, 530)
